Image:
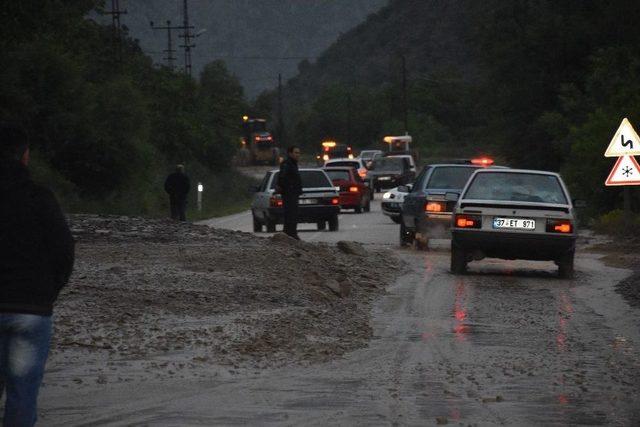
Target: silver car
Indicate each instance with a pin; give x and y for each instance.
(319, 202)
(514, 214)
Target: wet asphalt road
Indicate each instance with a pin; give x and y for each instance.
(507, 344)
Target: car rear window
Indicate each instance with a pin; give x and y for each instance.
(338, 175)
(450, 177)
(310, 179)
(516, 187)
(344, 163)
(388, 164)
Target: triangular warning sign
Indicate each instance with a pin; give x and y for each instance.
(625, 142)
(626, 171)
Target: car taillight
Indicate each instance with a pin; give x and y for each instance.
(353, 189)
(468, 221)
(335, 201)
(563, 226)
(434, 207)
(275, 201)
(362, 172)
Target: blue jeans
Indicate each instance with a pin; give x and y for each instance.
(24, 347)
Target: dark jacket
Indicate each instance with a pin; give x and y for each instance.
(36, 247)
(177, 185)
(289, 181)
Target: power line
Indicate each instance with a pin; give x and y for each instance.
(269, 58)
(115, 13)
(169, 51)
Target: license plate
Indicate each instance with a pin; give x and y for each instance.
(514, 223)
(308, 201)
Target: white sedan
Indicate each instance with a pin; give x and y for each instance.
(392, 203)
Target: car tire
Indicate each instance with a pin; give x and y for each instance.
(257, 225)
(321, 225)
(333, 223)
(358, 209)
(406, 236)
(458, 260)
(271, 227)
(395, 219)
(565, 266)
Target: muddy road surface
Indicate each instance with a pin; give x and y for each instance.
(507, 344)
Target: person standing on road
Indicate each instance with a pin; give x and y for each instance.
(177, 185)
(36, 259)
(290, 186)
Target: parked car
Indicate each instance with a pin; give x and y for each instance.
(356, 163)
(514, 214)
(367, 156)
(392, 202)
(389, 172)
(354, 194)
(425, 212)
(319, 202)
(405, 155)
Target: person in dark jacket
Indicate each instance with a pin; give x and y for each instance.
(177, 186)
(37, 253)
(290, 186)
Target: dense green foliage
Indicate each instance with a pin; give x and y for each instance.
(105, 125)
(535, 83)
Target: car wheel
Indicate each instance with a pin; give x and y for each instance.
(321, 225)
(333, 223)
(271, 227)
(395, 219)
(458, 260)
(406, 236)
(565, 266)
(358, 209)
(257, 226)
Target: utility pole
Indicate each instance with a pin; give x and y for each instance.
(187, 36)
(169, 51)
(349, 118)
(405, 105)
(281, 133)
(115, 13)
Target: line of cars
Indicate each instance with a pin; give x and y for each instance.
(488, 211)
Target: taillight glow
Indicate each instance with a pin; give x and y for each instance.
(482, 161)
(335, 201)
(559, 226)
(468, 221)
(275, 201)
(362, 172)
(434, 207)
(353, 189)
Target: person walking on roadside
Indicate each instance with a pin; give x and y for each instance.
(290, 186)
(37, 254)
(177, 185)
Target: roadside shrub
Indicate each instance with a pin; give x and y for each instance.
(613, 223)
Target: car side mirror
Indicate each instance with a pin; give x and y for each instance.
(254, 188)
(410, 187)
(451, 197)
(579, 203)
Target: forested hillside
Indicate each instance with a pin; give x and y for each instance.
(536, 83)
(106, 125)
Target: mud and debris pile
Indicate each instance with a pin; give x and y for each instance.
(159, 291)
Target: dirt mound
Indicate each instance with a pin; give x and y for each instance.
(147, 289)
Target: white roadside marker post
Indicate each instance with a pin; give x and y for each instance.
(200, 190)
